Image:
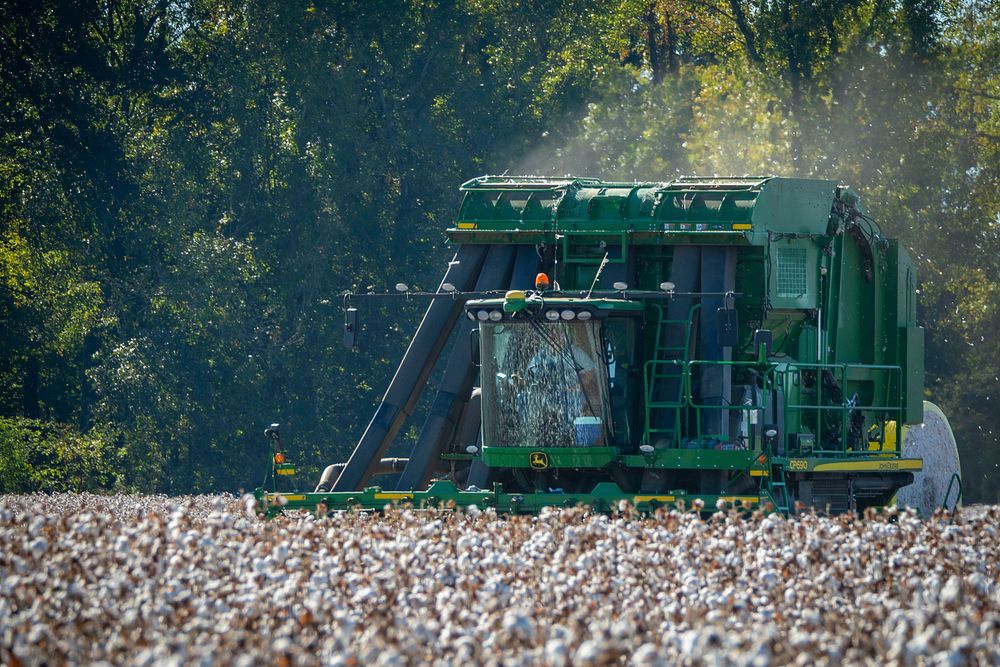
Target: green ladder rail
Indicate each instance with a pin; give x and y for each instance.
(669, 363)
(955, 477)
(777, 489)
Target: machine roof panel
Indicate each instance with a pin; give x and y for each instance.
(742, 205)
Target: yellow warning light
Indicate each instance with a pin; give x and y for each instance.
(541, 282)
(279, 458)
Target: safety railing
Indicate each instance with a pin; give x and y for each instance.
(826, 414)
(755, 409)
(830, 411)
(683, 372)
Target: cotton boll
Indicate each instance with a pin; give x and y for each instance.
(185, 580)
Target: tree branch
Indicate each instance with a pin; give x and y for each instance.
(712, 8)
(976, 93)
(749, 38)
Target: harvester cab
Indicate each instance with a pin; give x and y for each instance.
(728, 341)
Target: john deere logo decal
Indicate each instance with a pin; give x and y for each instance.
(539, 460)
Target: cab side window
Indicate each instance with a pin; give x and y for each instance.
(619, 347)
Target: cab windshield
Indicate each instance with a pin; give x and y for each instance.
(544, 384)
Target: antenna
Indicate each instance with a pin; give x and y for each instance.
(597, 276)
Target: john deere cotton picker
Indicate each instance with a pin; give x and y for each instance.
(744, 340)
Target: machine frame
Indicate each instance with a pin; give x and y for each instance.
(778, 351)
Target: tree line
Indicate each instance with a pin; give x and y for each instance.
(186, 188)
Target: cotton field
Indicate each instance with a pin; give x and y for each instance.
(149, 580)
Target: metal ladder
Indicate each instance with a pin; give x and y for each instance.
(777, 489)
(668, 365)
(955, 477)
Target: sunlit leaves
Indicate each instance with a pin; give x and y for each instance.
(44, 456)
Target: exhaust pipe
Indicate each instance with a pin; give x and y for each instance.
(384, 467)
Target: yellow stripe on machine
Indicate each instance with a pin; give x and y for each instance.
(274, 496)
(658, 499)
(743, 499)
(393, 496)
(759, 473)
(466, 225)
(742, 226)
(873, 466)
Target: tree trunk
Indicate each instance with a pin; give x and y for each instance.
(671, 45)
(91, 344)
(749, 37)
(656, 63)
(32, 381)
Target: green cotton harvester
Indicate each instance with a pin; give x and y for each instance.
(719, 342)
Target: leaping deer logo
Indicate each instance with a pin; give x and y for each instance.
(539, 460)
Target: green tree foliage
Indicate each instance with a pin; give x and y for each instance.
(187, 187)
(47, 456)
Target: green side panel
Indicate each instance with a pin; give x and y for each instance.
(550, 457)
(902, 340)
(854, 329)
(851, 465)
(794, 206)
(751, 269)
(906, 286)
(705, 459)
(892, 303)
(807, 345)
(913, 384)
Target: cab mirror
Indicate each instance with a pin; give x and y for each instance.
(351, 328)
